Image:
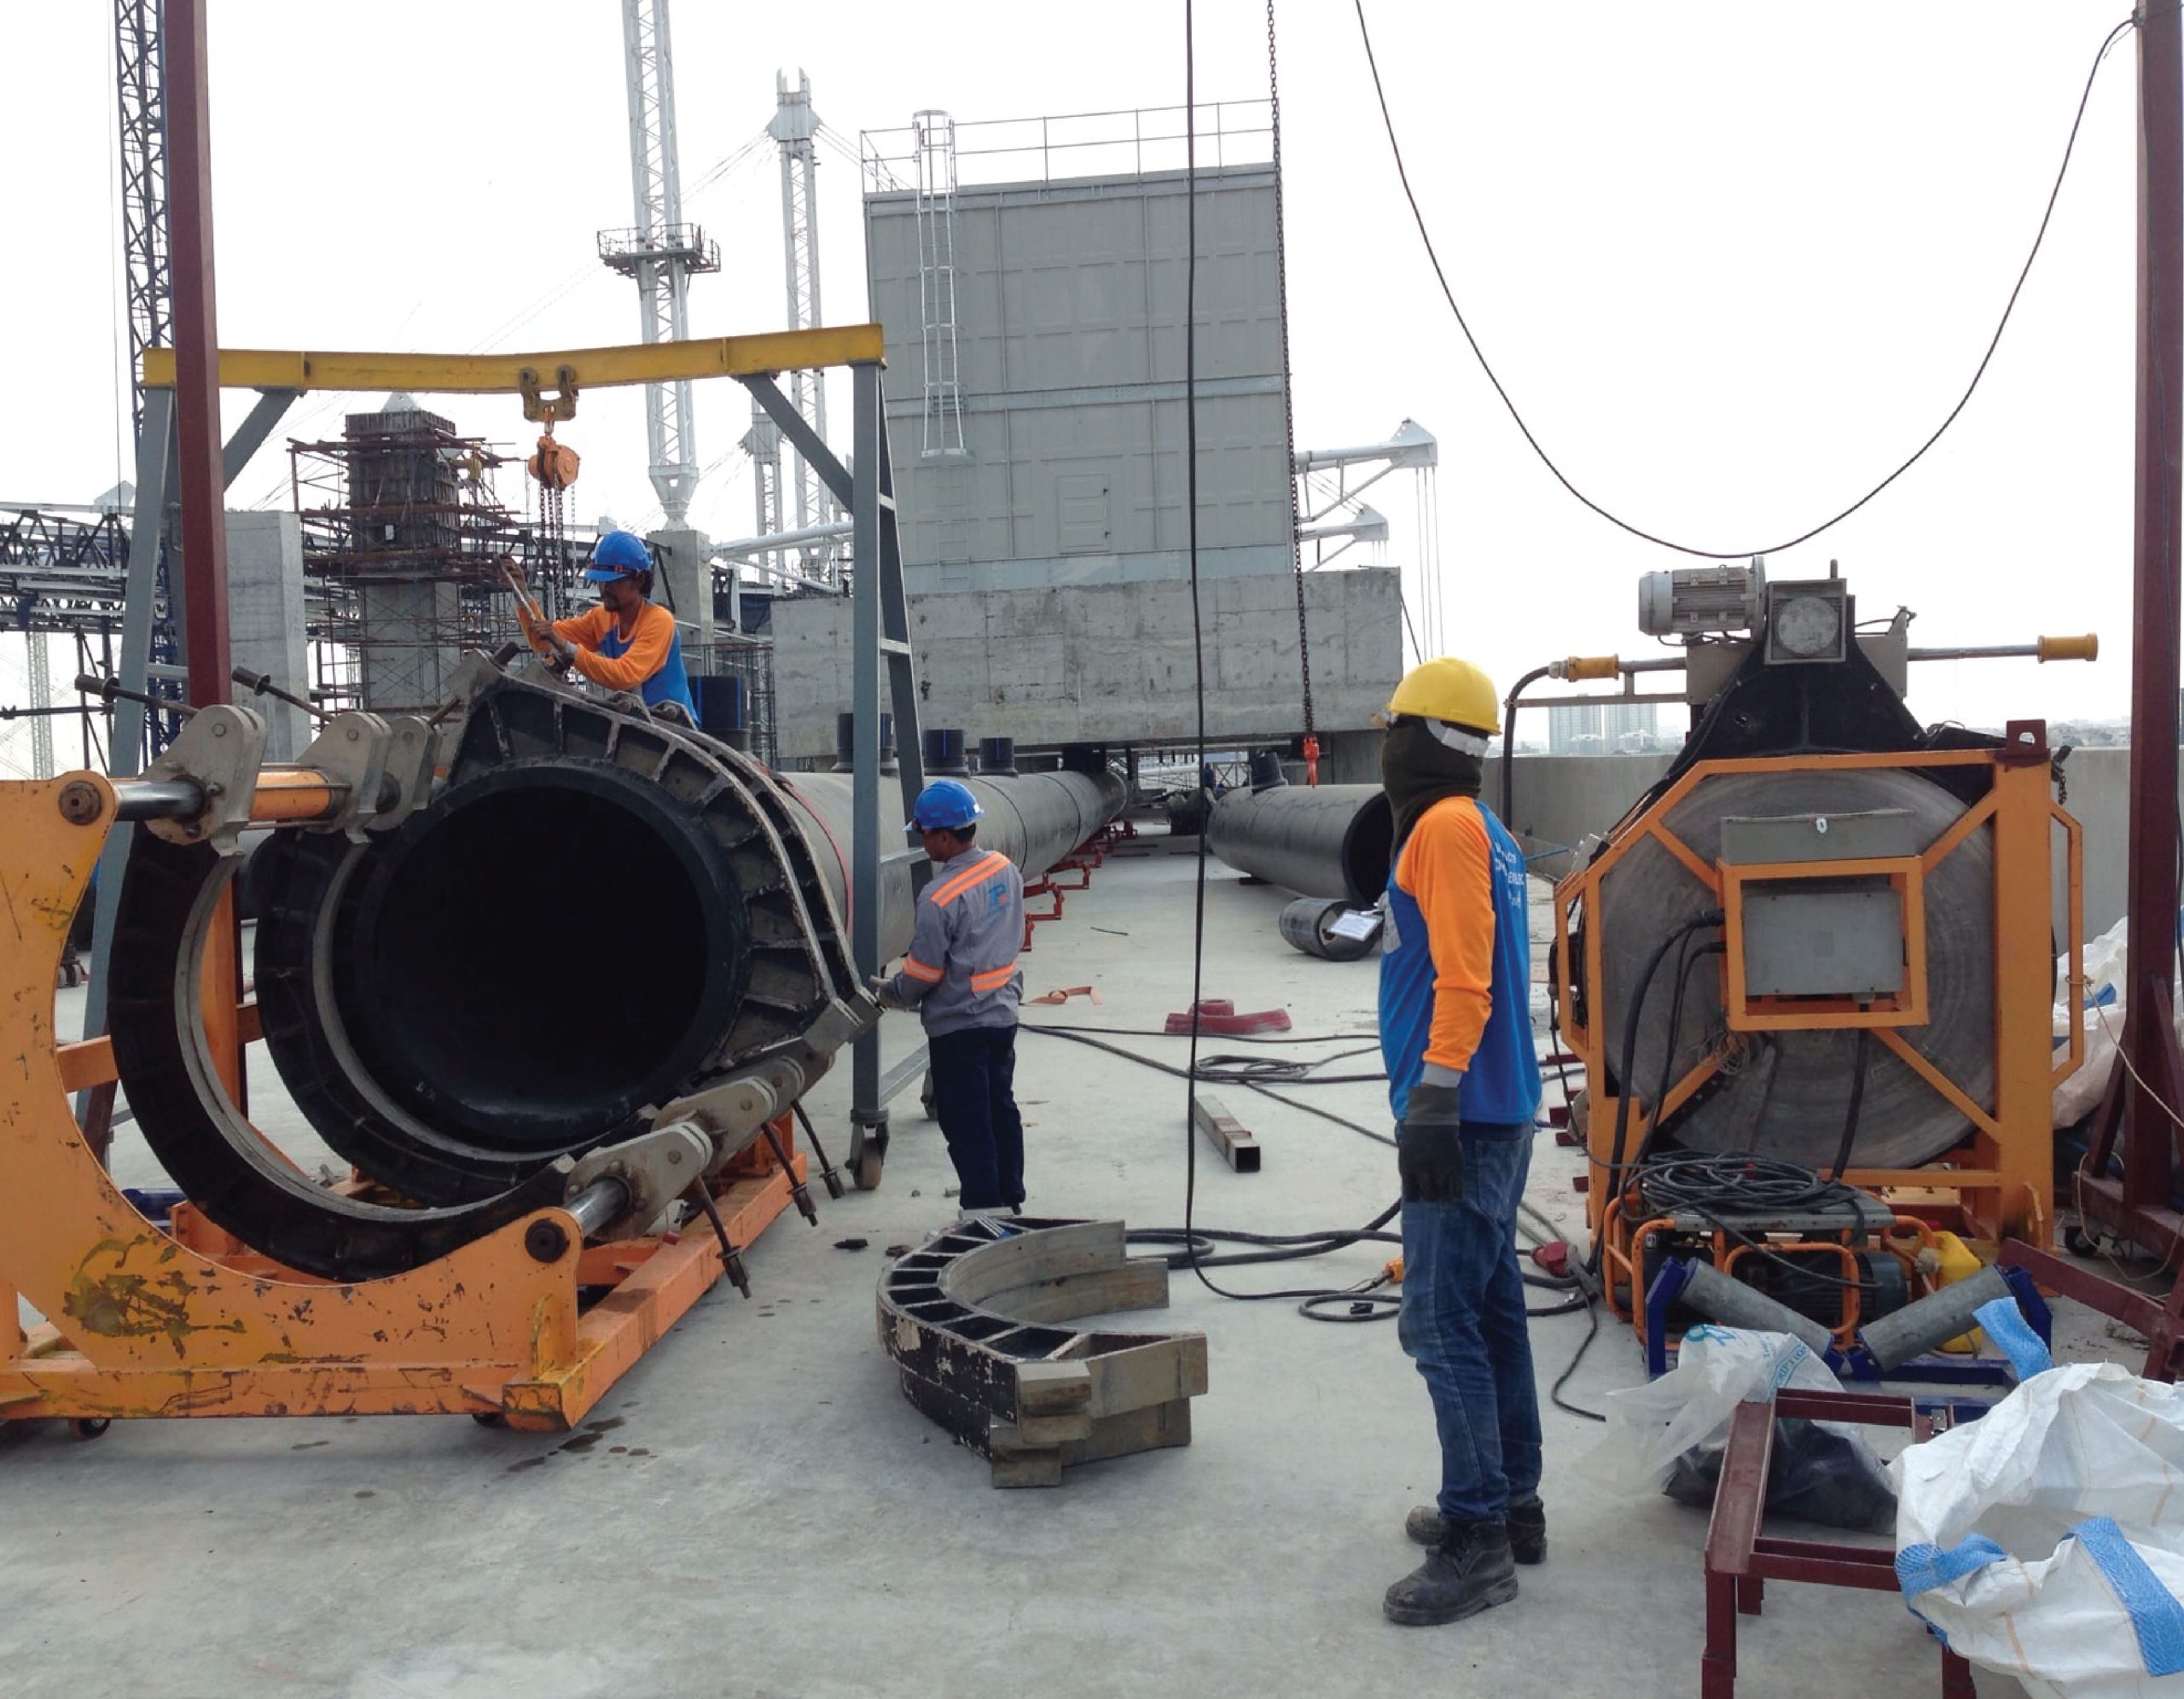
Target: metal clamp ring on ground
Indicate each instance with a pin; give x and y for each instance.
(969, 1317)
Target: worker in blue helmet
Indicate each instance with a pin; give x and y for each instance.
(628, 642)
(962, 977)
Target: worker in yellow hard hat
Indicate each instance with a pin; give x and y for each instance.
(1463, 1083)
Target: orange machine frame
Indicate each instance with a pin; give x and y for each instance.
(187, 1322)
(1999, 1182)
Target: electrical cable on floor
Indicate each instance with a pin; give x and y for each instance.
(1365, 1300)
(1219, 1070)
(1562, 1380)
(1217, 1076)
(1234, 1038)
(1711, 1186)
(1917, 454)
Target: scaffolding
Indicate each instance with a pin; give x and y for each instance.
(403, 538)
(795, 126)
(740, 670)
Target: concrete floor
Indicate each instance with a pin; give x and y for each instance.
(756, 1509)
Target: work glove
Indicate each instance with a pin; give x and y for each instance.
(884, 990)
(1429, 1146)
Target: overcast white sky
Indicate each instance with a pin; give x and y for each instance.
(1733, 261)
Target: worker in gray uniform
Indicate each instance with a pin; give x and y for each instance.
(962, 977)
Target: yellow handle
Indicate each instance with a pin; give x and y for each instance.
(2087, 648)
(1592, 666)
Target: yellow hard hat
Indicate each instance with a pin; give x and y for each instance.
(1451, 689)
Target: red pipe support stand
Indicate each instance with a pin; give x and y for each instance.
(2136, 1121)
(1740, 1559)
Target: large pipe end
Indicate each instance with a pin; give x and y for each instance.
(1368, 850)
(546, 951)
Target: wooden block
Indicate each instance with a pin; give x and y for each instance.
(1040, 1433)
(1150, 1429)
(1139, 1284)
(1052, 1389)
(1238, 1148)
(1048, 1254)
(1157, 1373)
(1027, 1469)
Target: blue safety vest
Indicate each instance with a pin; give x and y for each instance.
(1501, 1085)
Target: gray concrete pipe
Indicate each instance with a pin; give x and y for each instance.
(1325, 840)
(1035, 819)
(1895, 1339)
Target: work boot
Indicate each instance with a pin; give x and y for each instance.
(1527, 1526)
(1470, 1570)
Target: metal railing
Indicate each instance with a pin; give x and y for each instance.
(1077, 144)
(626, 249)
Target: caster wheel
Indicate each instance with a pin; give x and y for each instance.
(868, 1165)
(2078, 1243)
(489, 1418)
(90, 1427)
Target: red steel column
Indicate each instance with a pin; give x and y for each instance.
(2154, 629)
(196, 345)
(203, 493)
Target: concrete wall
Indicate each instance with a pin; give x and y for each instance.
(1563, 801)
(684, 584)
(265, 620)
(2099, 785)
(405, 645)
(1069, 308)
(1111, 663)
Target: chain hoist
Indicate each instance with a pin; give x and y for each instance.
(1289, 405)
(553, 468)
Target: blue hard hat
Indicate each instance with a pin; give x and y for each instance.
(945, 806)
(617, 555)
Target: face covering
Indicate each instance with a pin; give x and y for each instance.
(1418, 770)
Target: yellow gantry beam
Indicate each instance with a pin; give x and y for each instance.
(505, 374)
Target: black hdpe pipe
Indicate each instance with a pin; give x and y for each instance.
(453, 992)
(595, 914)
(1035, 819)
(1306, 923)
(1324, 840)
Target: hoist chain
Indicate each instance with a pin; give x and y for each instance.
(550, 473)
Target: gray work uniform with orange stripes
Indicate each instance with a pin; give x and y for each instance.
(961, 969)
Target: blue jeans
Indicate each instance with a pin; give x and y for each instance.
(1463, 1321)
(974, 1098)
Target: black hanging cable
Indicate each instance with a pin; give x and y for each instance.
(1193, 1253)
(1198, 628)
(1288, 403)
(1546, 460)
(1857, 1101)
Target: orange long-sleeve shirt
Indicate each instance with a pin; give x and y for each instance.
(1455, 965)
(1447, 868)
(647, 654)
